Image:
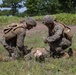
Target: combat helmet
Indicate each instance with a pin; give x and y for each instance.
(48, 19)
(31, 21)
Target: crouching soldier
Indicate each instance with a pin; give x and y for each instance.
(14, 36)
(59, 38)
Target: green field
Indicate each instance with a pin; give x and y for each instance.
(50, 66)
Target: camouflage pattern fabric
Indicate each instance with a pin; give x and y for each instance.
(56, 39)
(14, 39)
(38, 54)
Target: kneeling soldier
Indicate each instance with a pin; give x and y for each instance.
(14, 36)
(59, 38)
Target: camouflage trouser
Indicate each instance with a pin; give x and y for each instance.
(60, 45)
(10, 46)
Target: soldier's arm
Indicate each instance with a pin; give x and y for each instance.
(58, 32)
(20, 39)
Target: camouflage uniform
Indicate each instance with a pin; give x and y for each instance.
(38, 54)
(15, 37)
(57, 41)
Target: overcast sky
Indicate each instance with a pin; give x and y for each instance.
(20, 10)
(0, 1)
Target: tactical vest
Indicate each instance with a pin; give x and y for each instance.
(12, 30)
(66, 31)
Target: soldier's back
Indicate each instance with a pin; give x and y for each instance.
(13, 30)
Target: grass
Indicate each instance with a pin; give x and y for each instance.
(36, 40)
(49, 67)
(74, 42)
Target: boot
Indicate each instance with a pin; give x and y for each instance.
(70, 52)
(26, 51)
(15, 55)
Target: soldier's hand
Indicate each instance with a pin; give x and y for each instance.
(45, 41)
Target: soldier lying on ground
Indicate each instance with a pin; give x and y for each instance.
(14, 36)
(39, 54)
(59, 38)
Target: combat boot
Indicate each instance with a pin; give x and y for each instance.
(7, 59)
(26, 51)
(14, 56)
(70, 52)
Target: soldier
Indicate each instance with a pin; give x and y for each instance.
(59, 38)
(14, 37)
(39, 54)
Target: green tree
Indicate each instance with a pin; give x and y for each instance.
(68, 5)
(42, 7)
(52, 6)
(31, 6)
(13, 4)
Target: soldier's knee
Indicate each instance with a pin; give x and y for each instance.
(66, 45)
(58, 49)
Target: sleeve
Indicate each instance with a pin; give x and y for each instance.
(58, 32)
(20, 39)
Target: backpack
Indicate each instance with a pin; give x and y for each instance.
(10, 30)
(67, 33)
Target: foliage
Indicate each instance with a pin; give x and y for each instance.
(68, 5)
(41, 7)
(13, 4)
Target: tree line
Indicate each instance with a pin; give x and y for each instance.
(37, 7)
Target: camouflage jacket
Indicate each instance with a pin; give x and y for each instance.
(58, 32)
